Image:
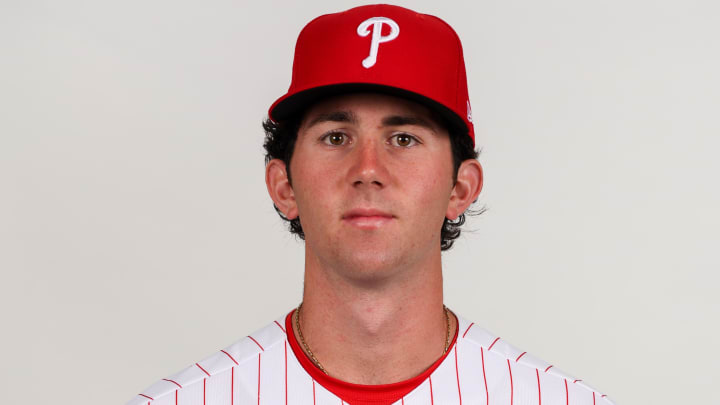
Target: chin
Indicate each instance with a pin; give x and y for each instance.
(371, 265)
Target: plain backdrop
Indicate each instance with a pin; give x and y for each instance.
(137, 237)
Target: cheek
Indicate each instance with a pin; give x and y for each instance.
(431, 174)
(430, 189)
(312, 185)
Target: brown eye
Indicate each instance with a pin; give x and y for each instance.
(335, 138)
(404, 140)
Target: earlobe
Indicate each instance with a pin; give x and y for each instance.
(466, 189)
(279, 188)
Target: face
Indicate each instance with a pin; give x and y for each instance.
(371, 182)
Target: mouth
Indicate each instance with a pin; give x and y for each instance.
(367, 218)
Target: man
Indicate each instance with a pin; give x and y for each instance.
(370, 157)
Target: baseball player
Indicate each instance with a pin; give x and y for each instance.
(370, 157)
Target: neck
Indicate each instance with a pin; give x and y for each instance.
(375, 331)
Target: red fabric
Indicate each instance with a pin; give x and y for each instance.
(359, 394)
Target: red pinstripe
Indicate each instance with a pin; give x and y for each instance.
(512, 389)
(232, 386)
(256, 342)
(593, 397)
(148, 397)
(204, 379)
(493, 343)
(231, 357)
(259, 378)
(518, 358)
(567, 394)
(487, 394)
(172, 381)
(204, 371)
(176, 397)
(432, 399)
(286, 372)
(313, 381)
(537, 372)
(466, 330)
(457, 375)
(280, 326)
(548, 368)
(576, 381)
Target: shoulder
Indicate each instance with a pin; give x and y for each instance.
(216, 370)
(515, 371)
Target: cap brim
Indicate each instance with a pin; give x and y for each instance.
(294, 104)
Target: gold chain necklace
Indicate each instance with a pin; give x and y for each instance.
(317, 362)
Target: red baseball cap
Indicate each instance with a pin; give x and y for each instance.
(380, 48)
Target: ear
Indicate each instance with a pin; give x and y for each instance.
(279, 188)
(467, 188)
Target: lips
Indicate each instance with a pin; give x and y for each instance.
(367, 218)
(366, 212)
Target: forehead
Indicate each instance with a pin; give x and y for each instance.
(370, 106)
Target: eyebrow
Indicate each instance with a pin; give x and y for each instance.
(389, 121)
(334, 116)
(399, 120)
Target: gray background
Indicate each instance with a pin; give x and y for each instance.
(137, 237)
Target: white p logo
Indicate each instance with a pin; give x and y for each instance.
(377, 38)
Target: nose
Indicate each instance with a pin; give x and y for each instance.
(368, 166)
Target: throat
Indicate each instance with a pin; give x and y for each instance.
(380, 350)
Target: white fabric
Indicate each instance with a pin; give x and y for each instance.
(377, 37)
(230, 377)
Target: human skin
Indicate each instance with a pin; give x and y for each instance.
(372, 181)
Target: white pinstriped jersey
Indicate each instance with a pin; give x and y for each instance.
(480, 368)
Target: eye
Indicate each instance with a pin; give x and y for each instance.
(404, 140)
(334, 138)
